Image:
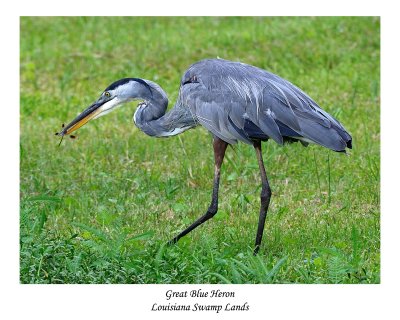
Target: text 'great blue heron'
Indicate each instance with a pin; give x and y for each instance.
(235, 102)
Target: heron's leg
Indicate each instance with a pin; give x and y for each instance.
(265, 196)
(219, 153)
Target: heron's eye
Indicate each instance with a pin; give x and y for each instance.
(107, 94)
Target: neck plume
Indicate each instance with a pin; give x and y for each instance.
(151, 117)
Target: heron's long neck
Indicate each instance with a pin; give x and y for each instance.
(151, 116)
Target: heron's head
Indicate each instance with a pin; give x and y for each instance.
(114, 95)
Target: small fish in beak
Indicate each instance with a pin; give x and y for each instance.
(79, 121)
(102, 106)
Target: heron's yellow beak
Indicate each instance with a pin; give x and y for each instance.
(81, 119)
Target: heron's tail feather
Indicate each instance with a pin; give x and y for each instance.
(333, 137)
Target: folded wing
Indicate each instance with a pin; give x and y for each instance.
(239, 102)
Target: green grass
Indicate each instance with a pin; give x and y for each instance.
(99, 209)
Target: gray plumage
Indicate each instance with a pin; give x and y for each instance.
(235, 102)
(239, 102)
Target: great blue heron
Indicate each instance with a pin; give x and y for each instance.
(235, 102)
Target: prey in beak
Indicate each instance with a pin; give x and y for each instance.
(80, 120)
(102, 106)
(62, 134)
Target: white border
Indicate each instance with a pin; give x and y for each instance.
(129, 302)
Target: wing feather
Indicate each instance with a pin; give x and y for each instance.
(236, 101)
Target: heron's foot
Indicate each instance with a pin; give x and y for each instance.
(256, 249)
(173, 241)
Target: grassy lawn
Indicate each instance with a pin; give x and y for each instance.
(100, 208)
